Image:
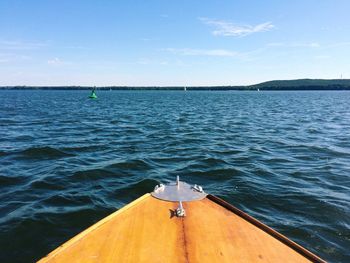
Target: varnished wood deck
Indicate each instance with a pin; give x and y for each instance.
(147, 231)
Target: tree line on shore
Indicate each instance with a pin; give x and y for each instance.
(299, 84)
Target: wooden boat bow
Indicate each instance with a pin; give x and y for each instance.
(153, 229)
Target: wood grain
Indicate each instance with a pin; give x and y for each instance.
(147, 231)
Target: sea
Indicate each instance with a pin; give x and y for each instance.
(67, 161)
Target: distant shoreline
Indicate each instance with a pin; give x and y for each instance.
(224, 88)
(299, 84)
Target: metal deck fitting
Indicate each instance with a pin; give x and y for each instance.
(178, 191)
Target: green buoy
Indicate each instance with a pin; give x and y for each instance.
(93, 94)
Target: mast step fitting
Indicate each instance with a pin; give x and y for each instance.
(178, 191)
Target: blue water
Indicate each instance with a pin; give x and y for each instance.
(67, 161)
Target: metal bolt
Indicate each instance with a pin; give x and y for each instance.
(180, 211)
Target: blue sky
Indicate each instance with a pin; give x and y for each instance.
(90, 42)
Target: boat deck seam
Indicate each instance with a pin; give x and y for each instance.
(184, 239)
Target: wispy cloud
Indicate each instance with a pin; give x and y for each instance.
(4, 60)
(10, 57)
(147, 61)
(55, 61)
(148, 39)
(145, 39)
(339, 44)
(20, 45)
(308, 45)
(203, 52)
(295, 45)
(322, 57)
(225, 28)
(76, 47)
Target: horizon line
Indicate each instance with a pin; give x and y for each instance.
(169, 86)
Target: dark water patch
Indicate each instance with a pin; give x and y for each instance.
(305, 157)
(49, 184)
(134, 190)
(277, 160)
(93, 175)
(24, 138)
(8, 208)
(135, 165)
(64, 200)
(10, 180)
(212, 174)
(263, 173)
(212, 162)
(75, 150)
(225, 150)
(53, 225)
(42, 153)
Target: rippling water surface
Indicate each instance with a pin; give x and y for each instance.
(67, 161)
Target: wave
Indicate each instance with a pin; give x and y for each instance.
(134, 190)
(48, 184)
(214, 174)
(93, 175)
(80, 149)
(138, 164)
(67, 200)
(45, 152)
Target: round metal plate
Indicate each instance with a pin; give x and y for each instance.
(181, 192)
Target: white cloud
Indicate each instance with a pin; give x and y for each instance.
(203, 52)
(55, 61)
(224, 28)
